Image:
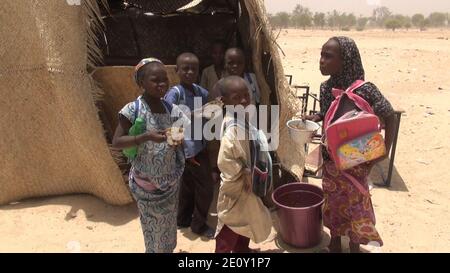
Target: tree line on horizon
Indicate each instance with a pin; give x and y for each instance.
(382, 17)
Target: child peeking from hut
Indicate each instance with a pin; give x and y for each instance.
(242, 215)
(197, 186)
(235, 65)
(347, 209)
(214, 72)
(157, 168)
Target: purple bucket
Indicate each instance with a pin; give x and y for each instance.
(299, 209)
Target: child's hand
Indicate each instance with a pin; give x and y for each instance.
(315, 118)
(193, 161)
(155, 136)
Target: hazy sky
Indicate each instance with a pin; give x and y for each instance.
(365, 7)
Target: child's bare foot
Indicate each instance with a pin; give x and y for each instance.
(335, 245)
(354, 248)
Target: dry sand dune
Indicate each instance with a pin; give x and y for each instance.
(411, 69)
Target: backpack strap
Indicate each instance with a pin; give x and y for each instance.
(168, 106)
(181, 96)
(181, 93)
(255, 151)
(137, 103)
(253, 147)
(337, 93)
(356, 183)
(197, 89)
(261, 165)
(249, 78)
(357, 84)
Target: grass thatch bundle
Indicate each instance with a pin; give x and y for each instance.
(52, 140)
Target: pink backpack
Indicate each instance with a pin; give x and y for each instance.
(353, 135)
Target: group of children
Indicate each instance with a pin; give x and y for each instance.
(173, 185)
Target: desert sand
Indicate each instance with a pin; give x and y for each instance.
(409, 67)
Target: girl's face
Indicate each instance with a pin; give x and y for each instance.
(235, 64)
(330, 58)
(155, 82)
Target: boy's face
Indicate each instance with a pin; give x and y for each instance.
(330, 58)
(187, 70)
(217, 54)
(155, 81)
(237, 94)
(235, 64)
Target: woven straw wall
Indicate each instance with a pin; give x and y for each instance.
(52, 141)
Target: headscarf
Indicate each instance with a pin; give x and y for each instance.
(141, 64)
(352, 66)
(352, 70)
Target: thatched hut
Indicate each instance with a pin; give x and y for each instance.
(56, 121)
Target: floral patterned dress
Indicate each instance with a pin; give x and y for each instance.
(162, 166)
(347, 211)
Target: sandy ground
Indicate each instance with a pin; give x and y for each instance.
(411, 69)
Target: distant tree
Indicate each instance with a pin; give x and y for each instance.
(348, 20)
(393, 23)
(319, 19)
(380, 15)
(403, 20)
(417, 19)
(407, 25)
(280, 20)
(424, 24)
(351, 20)
(437, 19)
(301, 17)
(332, 19)
(407, 22)
(340, 20)
(361, 23)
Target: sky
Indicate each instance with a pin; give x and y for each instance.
(364, 7)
